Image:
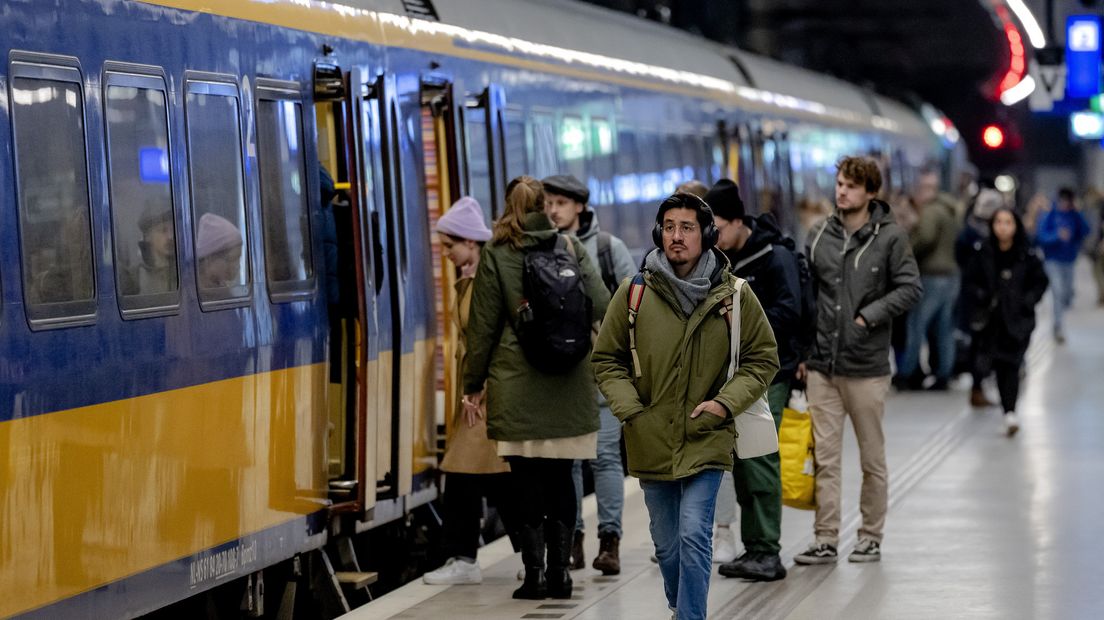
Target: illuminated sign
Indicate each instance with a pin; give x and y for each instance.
(1083, 56)
(1087, 125)
(153, 165)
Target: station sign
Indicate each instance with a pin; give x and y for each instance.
(1083, 56)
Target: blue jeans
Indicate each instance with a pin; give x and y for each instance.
(1061, 289)
(937, 305)
(681, 523)
(609, 478)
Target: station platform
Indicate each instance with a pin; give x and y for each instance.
(979, 526)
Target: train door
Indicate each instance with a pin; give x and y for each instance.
(485, 125)
(444, 184)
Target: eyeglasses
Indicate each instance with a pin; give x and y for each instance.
(686, 228)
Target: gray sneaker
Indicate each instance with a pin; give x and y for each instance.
(817, 553)
(868, 550)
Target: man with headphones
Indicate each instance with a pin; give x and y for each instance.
(664, 360)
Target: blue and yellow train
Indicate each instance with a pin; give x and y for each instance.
(206, 373)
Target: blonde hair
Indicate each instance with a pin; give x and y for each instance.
(524, 195)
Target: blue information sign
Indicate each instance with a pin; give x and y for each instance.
(1083, 56)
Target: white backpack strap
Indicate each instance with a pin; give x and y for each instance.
(734, 331)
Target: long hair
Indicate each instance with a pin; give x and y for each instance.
(524, 195)
(1019, 239)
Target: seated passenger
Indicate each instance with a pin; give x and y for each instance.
(157, 271)
(218, 252)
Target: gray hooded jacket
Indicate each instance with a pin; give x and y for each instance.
(871, 274)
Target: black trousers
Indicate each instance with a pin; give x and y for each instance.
(463, 499)
(1008, 383)
(543, 489)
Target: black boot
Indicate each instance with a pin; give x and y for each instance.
(755, 566)
(532, 556)
(559, 538)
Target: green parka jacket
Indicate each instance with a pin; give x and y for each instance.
(522, 402)
(684, 362)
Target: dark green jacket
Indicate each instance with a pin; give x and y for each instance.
(522, 402)
(933, 238)
(684, 362)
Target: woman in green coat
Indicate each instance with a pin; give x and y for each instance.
(541, 421)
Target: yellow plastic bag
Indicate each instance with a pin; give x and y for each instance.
(795, 450)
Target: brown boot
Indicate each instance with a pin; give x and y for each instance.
(978, 399)
(609, 559)
(578, 557)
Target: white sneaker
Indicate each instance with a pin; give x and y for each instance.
(455, 572)
(1011, 423)
(724, 545)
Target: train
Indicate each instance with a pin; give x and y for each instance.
(213, 380)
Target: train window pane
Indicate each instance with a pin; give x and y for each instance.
(543, 158)
(283, 192)
(53, 195)
(218, 200)
(516, 157)
(141, 192)
(479, 172)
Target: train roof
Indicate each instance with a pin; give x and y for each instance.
(589, 38)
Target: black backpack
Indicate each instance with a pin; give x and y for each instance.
(605, 261)
(554, 319)
(806, 336)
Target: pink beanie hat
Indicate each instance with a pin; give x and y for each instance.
(464, 220)
(215, 234)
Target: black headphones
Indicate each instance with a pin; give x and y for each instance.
(684, 200)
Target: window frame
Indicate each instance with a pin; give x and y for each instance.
(56, 68)
(146, 77)
(219, 85)
(268, 89)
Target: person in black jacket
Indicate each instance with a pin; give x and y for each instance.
(1004, 280)
(760, 254)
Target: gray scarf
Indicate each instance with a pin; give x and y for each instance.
(694, 289)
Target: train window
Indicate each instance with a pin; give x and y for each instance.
(212, 113)
(47, 104)
(135, 108)
(479, 162)
(517, 162)
(543, 158)
(284, 212)
(573, 146)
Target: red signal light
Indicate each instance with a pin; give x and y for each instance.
(993, 136)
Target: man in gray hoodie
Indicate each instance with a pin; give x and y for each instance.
(866, 275)
(565, 203)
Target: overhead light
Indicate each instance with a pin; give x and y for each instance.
(1087, 125)
(1034, 32)
(1019, 92)
(1004, 183)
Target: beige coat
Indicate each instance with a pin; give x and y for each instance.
(468, 451)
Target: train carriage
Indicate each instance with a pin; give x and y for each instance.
(186, 400)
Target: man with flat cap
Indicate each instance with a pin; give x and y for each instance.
(156, 273)
(565, 203)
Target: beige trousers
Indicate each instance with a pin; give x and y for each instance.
(831, 400)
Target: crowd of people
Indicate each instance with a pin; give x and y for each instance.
(569, 349)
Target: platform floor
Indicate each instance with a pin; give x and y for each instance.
(979, 525)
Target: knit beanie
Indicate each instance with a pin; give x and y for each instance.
(724, 199)
(464, 220)
(215, 234)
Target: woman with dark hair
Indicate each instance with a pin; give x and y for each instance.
(542, 419)
(1003, 281)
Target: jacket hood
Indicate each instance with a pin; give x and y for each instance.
(764, 232)
(588, 225)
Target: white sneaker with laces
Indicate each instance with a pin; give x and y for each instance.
(1011, 423)
(724, 545)
(455, 572)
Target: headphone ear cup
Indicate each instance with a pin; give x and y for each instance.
(657, 236)
(709, 238)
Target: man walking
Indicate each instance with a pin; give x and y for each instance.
(565, 203)
(1060, 235)
(866, 275)
(765, 259)
(663, 361)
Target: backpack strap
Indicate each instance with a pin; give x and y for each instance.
(636, 295)
(605, 260)
(730, 310)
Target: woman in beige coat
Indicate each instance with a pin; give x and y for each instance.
(472, 467)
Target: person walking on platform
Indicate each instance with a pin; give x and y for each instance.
(762, 256)
(865, 275)
(975, 231)
(540, 388)
(1003, 281)
(933, 245)
(565, 202)
(664, 362)
(1059, 235)
(473, 469)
